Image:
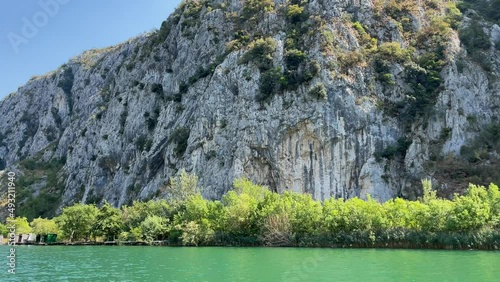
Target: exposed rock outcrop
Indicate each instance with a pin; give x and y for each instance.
(343, 118)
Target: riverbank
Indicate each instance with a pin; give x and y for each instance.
(397, 239)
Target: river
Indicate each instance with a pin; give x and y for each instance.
(116, 263)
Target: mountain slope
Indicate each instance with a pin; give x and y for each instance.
(332, 98)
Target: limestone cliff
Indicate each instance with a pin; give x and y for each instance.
(333, 98)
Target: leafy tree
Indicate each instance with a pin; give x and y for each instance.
(77, 221)
(356, 215)
(470, 212)
(133, 235)
(44, 226)
(154, 228)
(404, 214)
(3, 230)
(438, 215)
(305, 213)
(194, 234)
(21, 225)
(252, 214)
(197, 209)
(333, 213)
(239, 214)
(245, 186)
(182, 186)
(494, 202)
(134, 215)
(108, 221)
(428, 193)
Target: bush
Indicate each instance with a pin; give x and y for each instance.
(163, 32)
(453, 15)
(270, 83)
(350, 59)
(392, 51)
(252, 8)
(319, 92)
(66, 80)
(294, 57)
(482, 59)
(488, 140)
(261, 53)
(253, 215)
(296, 14)
(180, 137)
(425, 80)
(364, 37)
(387, 79)
(240, 39)
(157, 88)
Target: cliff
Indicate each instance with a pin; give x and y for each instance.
(332, 98)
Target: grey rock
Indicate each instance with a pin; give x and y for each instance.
(101, 113)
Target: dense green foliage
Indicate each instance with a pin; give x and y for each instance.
(76, 221)
(21, 225)
(252, 9)
(260, 53)
(318, 91)
(252, 215)
(3, 230)
(108, 222)
(270, 83)
(44, 226)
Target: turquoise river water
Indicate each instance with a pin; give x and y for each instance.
(105, 263)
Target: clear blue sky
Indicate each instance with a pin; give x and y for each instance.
(78, 25)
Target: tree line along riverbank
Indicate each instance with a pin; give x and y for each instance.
(251, 215)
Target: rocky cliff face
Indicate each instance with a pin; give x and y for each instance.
(332, 98)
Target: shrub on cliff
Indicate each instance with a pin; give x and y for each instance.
(260, 53)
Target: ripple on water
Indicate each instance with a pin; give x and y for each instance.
(103, 263)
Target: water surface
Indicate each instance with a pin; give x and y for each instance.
(114, 263)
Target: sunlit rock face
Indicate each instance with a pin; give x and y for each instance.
(121, 121)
